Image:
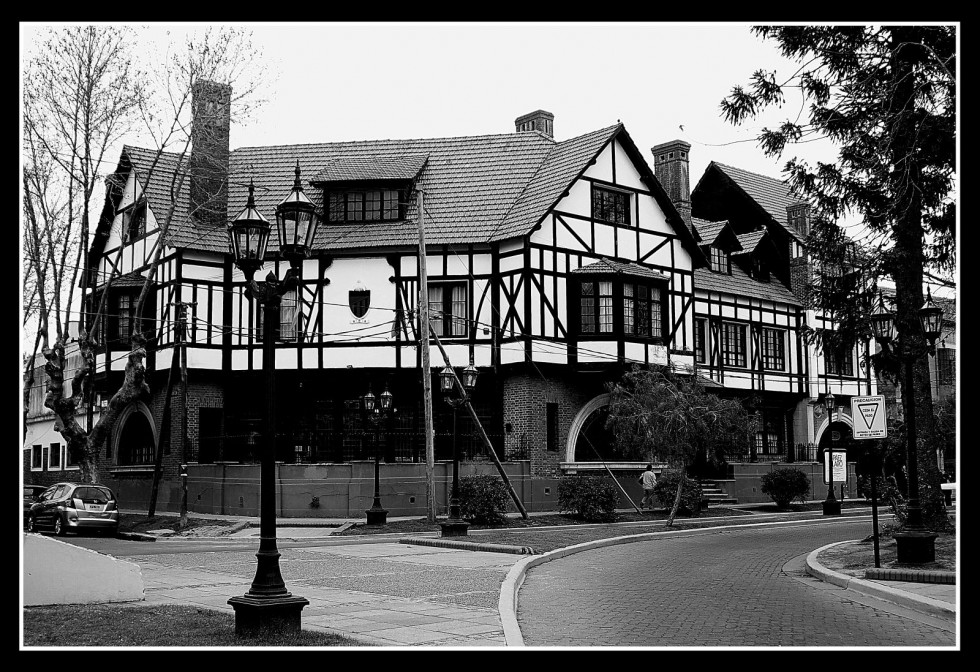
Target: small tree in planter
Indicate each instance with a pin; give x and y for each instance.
(655, 411)
(592, 498)
(785, 485)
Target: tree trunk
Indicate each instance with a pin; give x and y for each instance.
(677, 498)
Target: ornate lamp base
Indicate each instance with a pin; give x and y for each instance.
(377, 516)
(454, 527)
(267, 615)
(915, 547)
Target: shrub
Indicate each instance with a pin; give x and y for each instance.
(785, 485)
(885, 489)
(591, 498)
(483, 499)
(666, 490)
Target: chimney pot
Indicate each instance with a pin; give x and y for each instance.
(210, 152)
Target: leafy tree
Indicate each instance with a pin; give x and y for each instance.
(886, 97)
(658, 415)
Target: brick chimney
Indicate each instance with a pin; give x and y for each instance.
(211, 123)
(671, 166)
(798, 217)
(538, 120)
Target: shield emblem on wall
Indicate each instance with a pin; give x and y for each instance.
(359, 300)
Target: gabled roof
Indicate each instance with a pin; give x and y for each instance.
(710, 232)
(750, 241)
(608, 266)
(132, 279)
(362, 168)
(740, 283)
(770, 194)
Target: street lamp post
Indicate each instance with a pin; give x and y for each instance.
(377, 413)
(831, 506)
(456, 393)
(268, 606)
(915, 543)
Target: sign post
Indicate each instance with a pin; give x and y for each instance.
(869, 423)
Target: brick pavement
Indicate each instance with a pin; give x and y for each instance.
(731, 588)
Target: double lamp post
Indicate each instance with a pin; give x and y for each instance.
(915, 543)
(456, 392)
(268, 607)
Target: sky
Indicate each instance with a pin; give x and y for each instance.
(367, 81)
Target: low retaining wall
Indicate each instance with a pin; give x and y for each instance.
(59, 573)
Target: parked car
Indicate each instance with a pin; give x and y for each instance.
(30, 496)
(74, 507)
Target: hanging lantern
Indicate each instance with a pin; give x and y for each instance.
(446, 378)
(828, 402)
(368, 401)
(931, 319)
(469, 378)
(296, 222)
(387, 400)
(249, 235)
(883, 322)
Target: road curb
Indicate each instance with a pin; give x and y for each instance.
(468, 545)
(922, 604)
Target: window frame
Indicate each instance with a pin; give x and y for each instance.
(700, 340)
(295, 332)
(720, 260)
(741, 353)
(54, 452)
(354, 205)
(946, 366)
(834, 362)
(606, 304)
(611, 205)
(37, 457)
(447, 327)
(769, 359)
(133, 221)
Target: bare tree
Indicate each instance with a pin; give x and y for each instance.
(91, 68)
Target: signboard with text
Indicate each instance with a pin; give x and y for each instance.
(839, 458)
(868, 416)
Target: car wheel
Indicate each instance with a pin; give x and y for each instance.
(59, 528)
(31, 524)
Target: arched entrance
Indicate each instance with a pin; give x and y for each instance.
(135, 436)
(837, 435)
(588, 438)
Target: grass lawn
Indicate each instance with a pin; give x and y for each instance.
(124, 624)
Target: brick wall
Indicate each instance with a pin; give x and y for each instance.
(525, 399)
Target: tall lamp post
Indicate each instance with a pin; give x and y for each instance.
(377, 412)
(915, 543)
(831, 507)
(456, 393)
(268, 606)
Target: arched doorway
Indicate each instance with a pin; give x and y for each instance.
(837, 435)
(588, 438)
(135, 437)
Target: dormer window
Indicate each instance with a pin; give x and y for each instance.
(720, 262)
(760, 270)
(368, 205)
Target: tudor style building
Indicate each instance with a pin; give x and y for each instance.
(551, 267)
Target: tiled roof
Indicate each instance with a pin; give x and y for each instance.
(132, 279)
(749, 241)
(563, 165)
(183, 231)
(469, 184)
(371, 168)
(771, 194)
(707, 231)
(740, 283)
(604, 266)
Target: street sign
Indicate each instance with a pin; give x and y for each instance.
(840, 465)
(868, 416)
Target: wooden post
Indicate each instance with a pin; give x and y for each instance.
(479, 427)
(423, 344)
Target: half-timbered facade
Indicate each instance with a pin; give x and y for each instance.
(550, 266)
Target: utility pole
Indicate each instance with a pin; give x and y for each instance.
(182, 338)
(423, 343)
